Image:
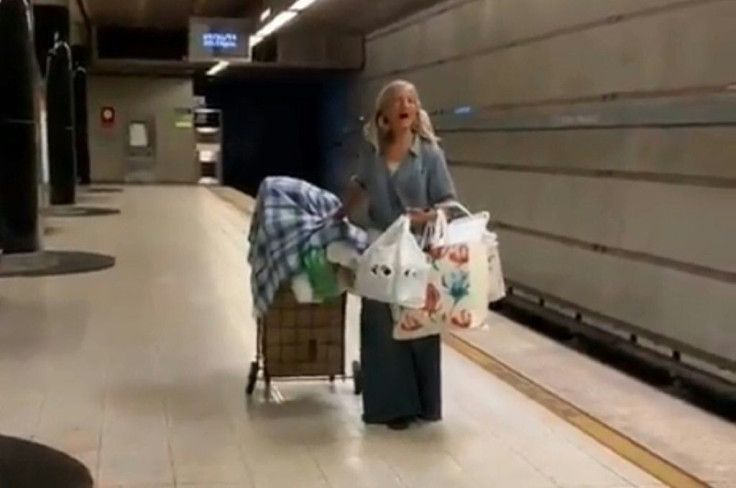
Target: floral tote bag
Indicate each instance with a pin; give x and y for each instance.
(457, 293)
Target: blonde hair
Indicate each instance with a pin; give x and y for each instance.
(378, 133)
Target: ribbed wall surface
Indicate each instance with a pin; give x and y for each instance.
(600, 134)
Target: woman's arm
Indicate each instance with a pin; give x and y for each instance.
(354, 196)
(440, 187)
(356, 193)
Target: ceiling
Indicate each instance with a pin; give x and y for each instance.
(354, 16)
(164, 13)
(363, 16)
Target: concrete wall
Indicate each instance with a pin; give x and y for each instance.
(141, 98)
(600, 134)
(315, 48)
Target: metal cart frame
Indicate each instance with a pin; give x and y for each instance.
(261, 363)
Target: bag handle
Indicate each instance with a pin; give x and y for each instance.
(457, 205)
(435, 232)
(400, 225)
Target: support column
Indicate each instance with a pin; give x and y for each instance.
(59, 100)
(52, 20)
(19, 232)
(80, 56)
(80, 126)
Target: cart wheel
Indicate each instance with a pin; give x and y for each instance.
(252, 378)
(357, 378)
(332, 379)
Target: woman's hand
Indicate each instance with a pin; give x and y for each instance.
(421, 216)
(340, 214)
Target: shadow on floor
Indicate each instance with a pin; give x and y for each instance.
(25, 464)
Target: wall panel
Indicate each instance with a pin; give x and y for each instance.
(694, 311)
(688, 151)
(683, 47)
(662, 220)
(606, 123)
(137, 97)
(486, 24)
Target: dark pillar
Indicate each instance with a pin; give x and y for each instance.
(80, 56)
(19, 231)
(52, 21)
(80, 126)
(60, 120)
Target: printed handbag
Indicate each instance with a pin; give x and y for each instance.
(456, 295)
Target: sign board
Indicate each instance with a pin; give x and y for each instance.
(219, 38)
(207, 118)
(107, 117)
(184, 118)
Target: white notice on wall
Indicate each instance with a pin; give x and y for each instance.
(137, 135)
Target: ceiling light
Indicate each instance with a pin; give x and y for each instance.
(217, 68)
(301, 5)
(277, 23)
(255, 40)
(280, 20)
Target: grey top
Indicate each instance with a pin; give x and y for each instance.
(422, 180)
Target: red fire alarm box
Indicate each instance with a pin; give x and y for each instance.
(107, 117)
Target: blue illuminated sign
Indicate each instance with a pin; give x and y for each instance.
(220, 40)
(463, 110)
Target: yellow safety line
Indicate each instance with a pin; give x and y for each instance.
(624, 446)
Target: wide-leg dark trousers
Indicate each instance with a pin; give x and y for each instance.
(402, 379)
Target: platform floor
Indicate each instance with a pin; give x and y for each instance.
(139, 372)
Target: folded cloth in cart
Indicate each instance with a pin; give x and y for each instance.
(291, 215)
(304, 293)
(342, 253)
(302, 289)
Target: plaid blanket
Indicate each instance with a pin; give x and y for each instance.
(291, 216)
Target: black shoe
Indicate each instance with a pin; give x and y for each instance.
(399, 424)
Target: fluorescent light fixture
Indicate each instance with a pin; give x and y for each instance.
(301, 5)
(277, 23)
(255, 40)
(280, 20)
(217, 68)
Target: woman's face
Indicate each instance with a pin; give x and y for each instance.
(401, 110)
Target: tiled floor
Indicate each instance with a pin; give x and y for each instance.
(662, 423)
(139, 372)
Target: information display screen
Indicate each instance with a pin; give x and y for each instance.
(220, 41)
(217, 38)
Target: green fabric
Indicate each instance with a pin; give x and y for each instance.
(321, 273)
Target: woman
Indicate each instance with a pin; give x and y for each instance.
(403, 171)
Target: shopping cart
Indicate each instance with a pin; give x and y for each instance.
(296, 341)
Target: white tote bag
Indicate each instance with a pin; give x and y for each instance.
(497, 285)
(468, 229)
(457, 292)
(472, 226)
(394, 269)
